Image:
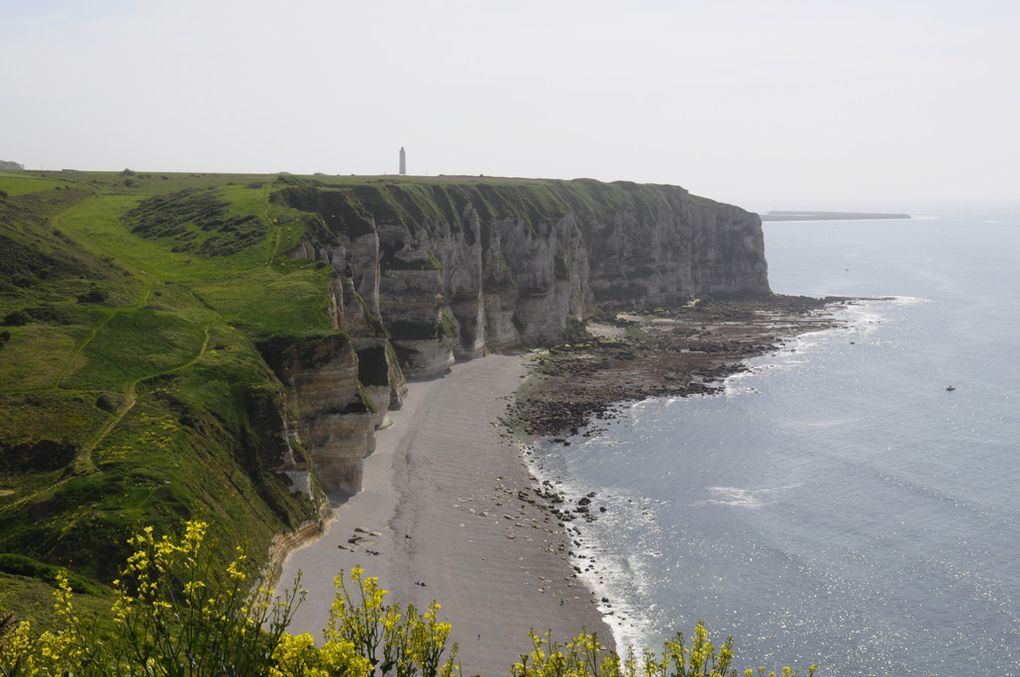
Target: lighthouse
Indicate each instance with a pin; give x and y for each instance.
(403, 161)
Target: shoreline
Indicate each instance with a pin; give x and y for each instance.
(461, 513)
(448, 501)
(574, 390)
(634, 355)
(602, 567)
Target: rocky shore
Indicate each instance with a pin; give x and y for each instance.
(630, 355)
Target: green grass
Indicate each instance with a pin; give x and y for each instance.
(22, 183)
(292, 304)
(133, 345)
(148, 402)
(33, 416)
(31, 597)
(35, 356)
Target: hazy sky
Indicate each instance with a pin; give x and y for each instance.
(767, 104)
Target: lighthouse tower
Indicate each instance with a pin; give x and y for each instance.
(403, 161)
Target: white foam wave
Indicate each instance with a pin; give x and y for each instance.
(736, 384)
(739, 497)
(735, 496)
(623, 577)
(905, 300)
(856, 319)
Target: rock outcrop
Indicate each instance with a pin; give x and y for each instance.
(429, 271)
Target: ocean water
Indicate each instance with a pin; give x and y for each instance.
(837, 505)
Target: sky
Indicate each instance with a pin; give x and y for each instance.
(767, 104)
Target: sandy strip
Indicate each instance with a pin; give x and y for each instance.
(441, 490)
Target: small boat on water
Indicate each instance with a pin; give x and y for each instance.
(950, 388)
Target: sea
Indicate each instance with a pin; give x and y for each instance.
(837, 504)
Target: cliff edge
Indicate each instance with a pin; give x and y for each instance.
(455, 267)
(447, 269)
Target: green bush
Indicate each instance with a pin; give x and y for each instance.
(21, 565)
(16, 318)
(94, 296)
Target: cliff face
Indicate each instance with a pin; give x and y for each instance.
(451, 268)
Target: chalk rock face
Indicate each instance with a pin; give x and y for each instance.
(429, 271)
(686, 247)
(334, 423)
(547, 264)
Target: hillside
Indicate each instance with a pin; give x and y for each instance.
(224, 346)
(131, 386)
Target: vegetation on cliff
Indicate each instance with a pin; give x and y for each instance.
(176, 613)
(130, 382)
(353, 205)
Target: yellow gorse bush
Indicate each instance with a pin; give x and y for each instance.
(48, 653)
(297, 656)
(396, 641)
(584, 656)
(175, 614)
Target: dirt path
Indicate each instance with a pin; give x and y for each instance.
(83, 460)
(142, 301)
(83, 463)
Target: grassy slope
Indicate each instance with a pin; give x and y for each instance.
(150, 403)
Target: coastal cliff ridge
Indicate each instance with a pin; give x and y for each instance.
(228, 345)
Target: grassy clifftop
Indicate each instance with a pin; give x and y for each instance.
(414, 200)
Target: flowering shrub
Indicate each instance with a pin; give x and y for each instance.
(46, 654)
(174, 614)
(411, 643)
(584, 656)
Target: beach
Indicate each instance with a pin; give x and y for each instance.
(449, 510)
(448, 513)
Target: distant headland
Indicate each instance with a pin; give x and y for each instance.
(779, 215)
